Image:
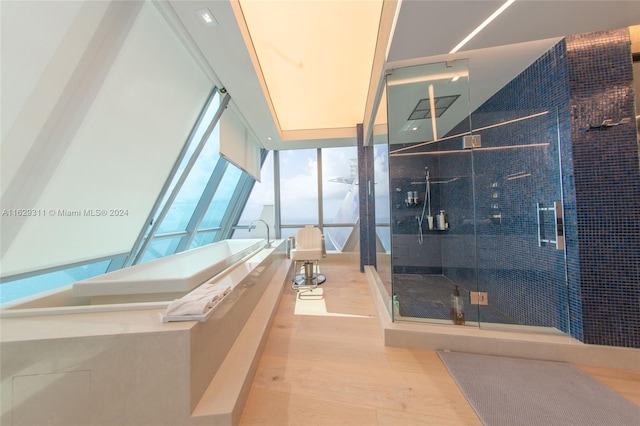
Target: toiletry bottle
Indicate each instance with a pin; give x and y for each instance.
(456, 311)
(396, 306)
(440, 221)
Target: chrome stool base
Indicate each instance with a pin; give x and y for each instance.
(310, 279)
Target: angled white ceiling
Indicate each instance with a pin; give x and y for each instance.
(425, 32)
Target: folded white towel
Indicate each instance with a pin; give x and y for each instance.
(213, 292)
(188, 306)
(198, 302)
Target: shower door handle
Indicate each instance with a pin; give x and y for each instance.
(559, 225)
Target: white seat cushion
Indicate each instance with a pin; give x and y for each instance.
(306, 254)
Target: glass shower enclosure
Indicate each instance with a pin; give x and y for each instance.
(476, 206)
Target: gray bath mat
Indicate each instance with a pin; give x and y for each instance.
(514, 392)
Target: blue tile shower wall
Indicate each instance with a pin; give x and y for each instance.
(413, 252)
(517, 167)
(607, 186)
(579, 82)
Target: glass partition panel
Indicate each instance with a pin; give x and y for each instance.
(383, 207)
(477, 231)
(520, 241)
(382, 199)
(431, 193)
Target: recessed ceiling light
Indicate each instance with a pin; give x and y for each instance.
(207, 17)
(269, 138)
(415, 128)
(456, 78)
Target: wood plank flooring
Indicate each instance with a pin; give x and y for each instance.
(335, 370)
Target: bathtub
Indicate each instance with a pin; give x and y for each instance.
(55, 344)
(179, 273)
(150, 285)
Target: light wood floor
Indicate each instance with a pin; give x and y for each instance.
(335, 370)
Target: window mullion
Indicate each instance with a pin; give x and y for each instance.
(203, 205)
(276, 195)
(320, 197)
(183, 178)
(165, 188)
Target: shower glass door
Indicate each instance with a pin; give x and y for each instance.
(476, 206)
(431, 187)
(521, 273)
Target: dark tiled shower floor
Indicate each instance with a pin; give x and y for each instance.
(427, 296)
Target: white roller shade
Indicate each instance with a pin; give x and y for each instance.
(127, 97)
(238, 145)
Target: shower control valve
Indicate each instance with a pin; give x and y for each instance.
(412, 198)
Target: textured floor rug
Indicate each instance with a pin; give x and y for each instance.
(513, 392)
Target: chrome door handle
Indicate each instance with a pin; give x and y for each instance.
(559, 225)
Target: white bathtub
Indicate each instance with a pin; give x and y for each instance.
(181, 272)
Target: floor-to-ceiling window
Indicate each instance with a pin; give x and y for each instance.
(261, 201)
(298, 170)
(340, 197)
(301, 175)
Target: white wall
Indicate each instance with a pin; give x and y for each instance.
(35, 68)
(94, 123)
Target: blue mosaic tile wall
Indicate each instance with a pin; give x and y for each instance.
(607, 186)
(413, 252)
(580, 83)
(516, 168)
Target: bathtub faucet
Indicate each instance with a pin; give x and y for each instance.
(252, 225)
